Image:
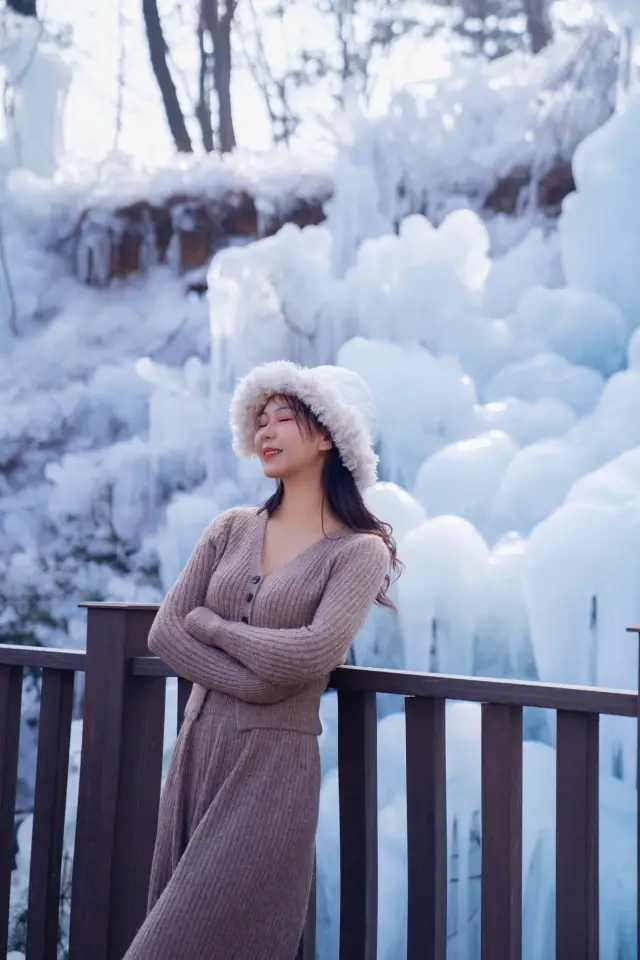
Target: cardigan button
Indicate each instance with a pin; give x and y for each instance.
(255, 579)
(245, 619)
(249, 597)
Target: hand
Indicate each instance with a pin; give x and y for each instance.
(200, 623)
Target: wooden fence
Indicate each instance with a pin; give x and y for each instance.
(120, 783)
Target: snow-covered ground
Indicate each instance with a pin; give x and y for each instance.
(508, 395)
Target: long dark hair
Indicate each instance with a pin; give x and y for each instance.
(341, 495)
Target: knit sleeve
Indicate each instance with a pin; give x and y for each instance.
(308, 653)
(209, 667)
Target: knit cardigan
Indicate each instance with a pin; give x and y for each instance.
(268, 641)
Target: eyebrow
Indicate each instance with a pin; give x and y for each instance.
(278, 409)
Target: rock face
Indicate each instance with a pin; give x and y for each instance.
(181, 231)
(549, 191)
(185, 231)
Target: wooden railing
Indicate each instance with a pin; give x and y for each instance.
(121, 766)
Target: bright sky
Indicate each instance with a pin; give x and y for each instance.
(108, 44)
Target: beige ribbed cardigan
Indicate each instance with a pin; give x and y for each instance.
(234, 853)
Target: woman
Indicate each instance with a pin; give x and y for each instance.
(265, 609)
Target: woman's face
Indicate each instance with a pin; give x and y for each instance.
(285, 449)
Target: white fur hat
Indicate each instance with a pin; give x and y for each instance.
(338, 397)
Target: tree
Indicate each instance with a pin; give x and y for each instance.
(218, 19)
(341, 60)
(362, 30)
(494, 27)
(213, 35)
(538, 24)
(276, 88)
(338, 59)
(28, 8)
(205, 88)
(158, 54)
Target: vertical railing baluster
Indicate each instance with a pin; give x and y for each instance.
(119, 786)
(426, 829)
(577, 771)
(357, 778)
(184, 691)
(10, 702)
(54, 733)
(501, 894)
(637, 635)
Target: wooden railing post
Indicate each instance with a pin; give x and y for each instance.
(47, 835)
(577, 888)
(358, 808)
(119, 784)
(426, 829)
(501, 901)
(636, 631)
(10, 702)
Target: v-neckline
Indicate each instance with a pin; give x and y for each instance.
(263, 518)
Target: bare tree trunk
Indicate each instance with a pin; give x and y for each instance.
(203, 107)
(158, 56)
(219, 26)
(222, 76)
(538, 24)
(28, 8)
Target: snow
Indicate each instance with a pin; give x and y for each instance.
(432, 400)
(505, 363)
(546, 375)
(623, 12)
(482, 118)
(535, 259)
(438, 614)
(585, 329)
(606, 204)
(463, 478)
(40, 78)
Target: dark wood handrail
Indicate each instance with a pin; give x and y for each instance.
(444, 686)
(120, 777)
(50, 658)
(528, 693)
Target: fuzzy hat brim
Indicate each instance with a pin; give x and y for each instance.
(338, 397)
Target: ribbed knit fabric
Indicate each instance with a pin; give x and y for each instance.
(234, 852)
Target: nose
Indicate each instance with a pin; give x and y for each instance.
(265, 432)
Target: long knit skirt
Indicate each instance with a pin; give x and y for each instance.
(233, 862)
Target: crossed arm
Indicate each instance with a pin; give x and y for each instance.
(208, 666)
(298, 656)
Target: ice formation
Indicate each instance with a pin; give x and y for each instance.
(508, 393)
(40, 78)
